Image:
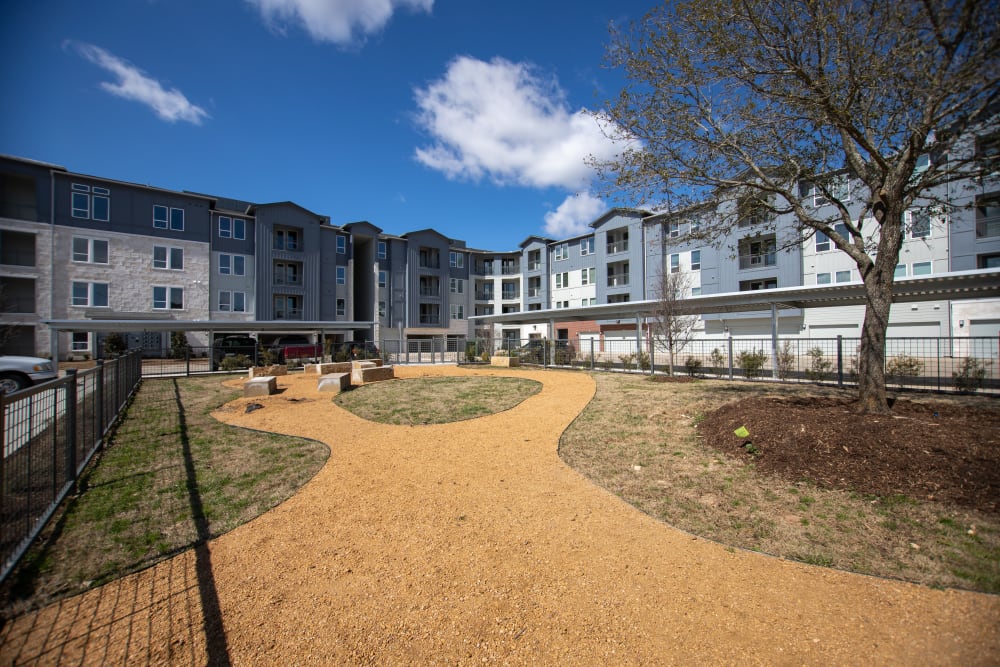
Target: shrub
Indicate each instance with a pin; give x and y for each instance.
(606, 364)
(114, 344)
(819, 366)
(718, 361)
(644, 361)
(785, 361)
(903, 366)
(971, 375)
(628, 360)
(179, 348)
(235, 362)
(693, 366)
(752, 363)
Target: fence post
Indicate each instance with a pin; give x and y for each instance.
(187, 362)
(730, 341)
(71, 419)
(99, 401)
(840, 361)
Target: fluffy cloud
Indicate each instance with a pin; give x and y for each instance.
(574, 215)
(133, 84)
(342, 22)
(506, 122)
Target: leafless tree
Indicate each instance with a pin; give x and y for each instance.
(672, 327)
(742, 101)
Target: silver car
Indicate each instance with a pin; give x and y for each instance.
(17, 373)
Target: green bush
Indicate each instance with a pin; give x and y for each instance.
(644, 360)
(179, 348)
(235, 363)
(785, 361)
(114, 344)
(752, 363)
(718, 361)
(693, 366)
(819, 366)
(971, 375)
(628, 360)
(901, 367)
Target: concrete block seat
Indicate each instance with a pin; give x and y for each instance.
(334, 382)
(260, 386)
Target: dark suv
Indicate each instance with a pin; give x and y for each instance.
(358, 349)
(231, 346)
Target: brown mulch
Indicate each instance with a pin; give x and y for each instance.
(931, 451)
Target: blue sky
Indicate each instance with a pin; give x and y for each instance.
(466, 116)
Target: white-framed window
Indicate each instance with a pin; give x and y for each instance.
(92, 295)
(675, 263)
(839, 187)
(92, 251)
(696, 260)
(457, 311)
(592, 301)
(562, 280)
(232, 265)
(695, 291)
(79, 341)
(235, 302)
(588, 276)
(456, 285)
(381, 308)
(383, 278)
(844, 276)
(899, 271)
(456, 260)
(587, 246)
(90, 203)
(919, 223)
(673, 229)
(341, 307)
(560, 252)
(232, 228)
(165, 217)
(822, 242)
(341, 275)
(921, 269)
(341, 244)
(382, 250)
(562, 304)
(168, 298)
(168, 258)
(823, 278)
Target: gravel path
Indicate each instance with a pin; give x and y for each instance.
(473, 543)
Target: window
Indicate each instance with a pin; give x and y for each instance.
(168, 298)
(822, 278)
(822, 242)
(457, 286)
(921, 268)
(839, 188)
(168, 258)
(287, 273)
(988, 151)
(341, 307)
(588, 276)
(695, 291)
(592, 301)
(90, 202)
(920, 223)
(988, 261)
(232, 301)
(94, 295)
(233, 265)
(696, 260)
(562, 280)
(900, 271)
(232, 228)
(673, 229)
(341, 275)
(80, 341)
(843, 276)
(381, 250)
(286, 239)
(168, 218)
(675, 263)
(587, 246)
(381, 308)
(457, 311)
(93, 251)
(753, 285)
(382, 278)
(456, 260)
(341, 244)
(561, 251)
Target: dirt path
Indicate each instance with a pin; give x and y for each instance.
(473, 543)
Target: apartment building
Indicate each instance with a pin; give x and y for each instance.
(81, 247)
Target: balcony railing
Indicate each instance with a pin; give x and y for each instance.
(484, 295)
(535, 265)
(288, 314)
(279, 280)
(534, 292)
(987, 227)
(618, 280)
(430, 291)
(430, 319)
(484, 268)
(758, 261)
(509, 295)
(510, 269)
(620, 246)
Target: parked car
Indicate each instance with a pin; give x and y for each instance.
(231, 346)
(17, 373)
(358, 349)
(293, 347)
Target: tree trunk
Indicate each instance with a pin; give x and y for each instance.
(871, 357)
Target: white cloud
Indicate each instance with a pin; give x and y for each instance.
(342, 22)
(506, 122)
(574, 215)
(133, 84)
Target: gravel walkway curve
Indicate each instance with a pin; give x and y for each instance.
(471, 543)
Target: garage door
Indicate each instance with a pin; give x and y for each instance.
(987, 329)
(914, 330)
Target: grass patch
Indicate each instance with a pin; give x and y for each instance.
(436, 400)
(687, 484)
(172, 477)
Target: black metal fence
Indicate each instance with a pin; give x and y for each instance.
(50, 434)
(940, 364)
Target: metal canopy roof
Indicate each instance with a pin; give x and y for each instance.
(978, 284)
(127, 325)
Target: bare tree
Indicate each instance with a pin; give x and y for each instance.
(742, 101)
(672, 328)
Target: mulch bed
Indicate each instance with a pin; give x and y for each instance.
(938, 452)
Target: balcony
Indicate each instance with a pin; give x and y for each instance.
(535, 265)
(432, 291)
(510, 268)
(534, 292)
(618, 280)
(510, 294)
(288, 314)
(484, 295)
(484, 268)
(617, 247)
(759, 260)
(430, 318)
(283, 280)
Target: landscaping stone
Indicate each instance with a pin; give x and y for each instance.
(260, 386)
